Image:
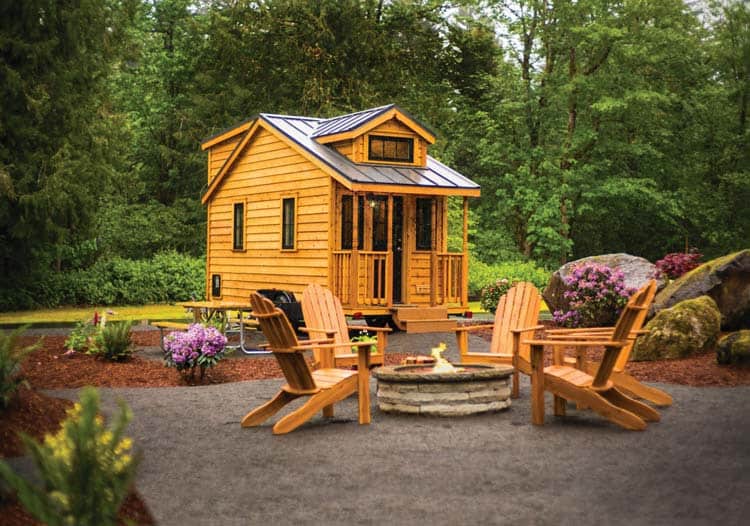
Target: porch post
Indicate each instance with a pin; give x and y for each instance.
(465, 257)
(434, 257)
(389, 254)
(354, 263)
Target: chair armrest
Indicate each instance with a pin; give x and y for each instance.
(578, 343)
(580, 330)
(368, 328)
(309, 345)
(528, 329)
(329, 333)
(467, 328)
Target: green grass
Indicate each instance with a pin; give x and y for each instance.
(475, 307)
(74, 314)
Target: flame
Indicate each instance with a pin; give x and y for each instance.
(441, 364)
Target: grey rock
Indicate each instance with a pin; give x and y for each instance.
(734, 348)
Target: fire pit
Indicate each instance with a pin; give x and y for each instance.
(421, 389)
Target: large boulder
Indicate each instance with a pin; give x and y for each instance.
(725, 279)
(734, 348)
(690, 327)
(637, 272)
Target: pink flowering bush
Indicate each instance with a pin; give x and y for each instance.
(198, 347)
(676, 264)
(596, 294)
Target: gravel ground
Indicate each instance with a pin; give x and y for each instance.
(201, 468)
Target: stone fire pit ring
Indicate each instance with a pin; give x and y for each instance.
(416, 389)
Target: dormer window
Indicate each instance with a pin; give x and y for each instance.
(394, 149)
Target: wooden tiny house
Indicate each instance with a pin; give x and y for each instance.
(354, 203)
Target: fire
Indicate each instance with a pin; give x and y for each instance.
(441, 364)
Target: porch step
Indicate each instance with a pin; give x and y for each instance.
(423, 319)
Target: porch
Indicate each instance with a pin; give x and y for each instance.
(391, 250)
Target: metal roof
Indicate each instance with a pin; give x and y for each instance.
(349, 122)
(302, 131)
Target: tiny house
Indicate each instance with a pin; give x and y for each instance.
(354, 203)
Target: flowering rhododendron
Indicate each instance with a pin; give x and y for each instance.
(199, 346)
(676, 264)
(596, 294)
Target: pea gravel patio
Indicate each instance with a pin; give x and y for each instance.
(200, 468)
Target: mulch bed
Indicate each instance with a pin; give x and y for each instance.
(47, 368)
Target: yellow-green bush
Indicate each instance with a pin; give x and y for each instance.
(86, 468)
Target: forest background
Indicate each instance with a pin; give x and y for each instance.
(593, 126)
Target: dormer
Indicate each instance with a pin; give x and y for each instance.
(386, 135)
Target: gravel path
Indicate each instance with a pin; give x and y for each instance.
(201, 468)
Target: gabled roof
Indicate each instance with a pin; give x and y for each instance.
(355, 124)
(433, 179)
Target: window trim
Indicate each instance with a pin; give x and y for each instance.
(295, 219)
(243, 248)
(398, 138)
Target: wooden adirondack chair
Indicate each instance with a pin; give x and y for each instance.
(517, 311)
(596, 392)
(324, 387)
(624, 381)
(324, 317)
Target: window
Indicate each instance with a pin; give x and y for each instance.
(238, 230)
(397, 149)
(424, 224)
(287, 223)
(215, 285)
(347, 222)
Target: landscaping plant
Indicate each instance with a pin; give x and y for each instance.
(676, 264)
(86, 469)
(199, 347)
(11, 356)
(492, 293)
(595, 294)
(116, 343)
(364, 337)
(85, 337)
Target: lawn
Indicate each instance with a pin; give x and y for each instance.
(74, 314)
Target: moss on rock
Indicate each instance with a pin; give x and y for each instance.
(734, 348)
(690, 327)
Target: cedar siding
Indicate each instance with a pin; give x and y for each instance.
(267, 171)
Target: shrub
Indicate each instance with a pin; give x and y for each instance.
(116, 343)
(85, 337)
(364, 337)
(491, 294)
(11, 356)
(676, 264)
(483, 276)
(596, 294)
(198, 347)
(86, 469)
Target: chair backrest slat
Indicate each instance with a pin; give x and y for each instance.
(517, 309)
(322, 310)
(637, 304)
(640, 319)
(281, 339)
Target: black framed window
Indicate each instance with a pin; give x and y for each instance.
(399, 149)
(215, 285)
(424, 224)
(347, 222)
(238, 228)
(287, 223)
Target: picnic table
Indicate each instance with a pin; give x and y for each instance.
(218, 312)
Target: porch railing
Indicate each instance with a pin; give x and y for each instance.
(448, 279)
(362, 277)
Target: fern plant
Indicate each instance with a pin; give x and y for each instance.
(116, 342)
(11, 356)
(86, 469)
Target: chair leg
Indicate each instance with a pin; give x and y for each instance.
(648, 413)
(636, 389)
(261, 414)
(316, 402)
